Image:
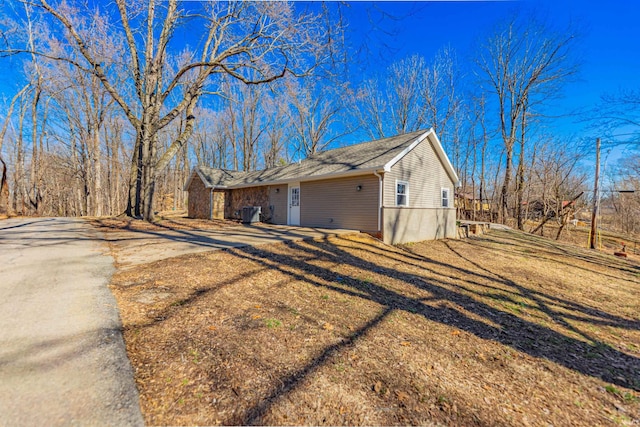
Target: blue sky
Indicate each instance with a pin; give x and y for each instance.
(609, 44)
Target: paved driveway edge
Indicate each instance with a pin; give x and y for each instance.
(110, 341)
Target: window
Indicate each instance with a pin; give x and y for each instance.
(445, 197)
(295, 196)
(402, 193)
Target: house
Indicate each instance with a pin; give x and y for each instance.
(399, 189)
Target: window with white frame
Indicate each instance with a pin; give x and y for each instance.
(295, 196)
(402, 193)
(445, 198)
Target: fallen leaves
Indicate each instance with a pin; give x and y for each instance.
(413, 367)
(401, 396)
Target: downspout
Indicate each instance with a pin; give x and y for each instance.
(211, 204)
(379, 201)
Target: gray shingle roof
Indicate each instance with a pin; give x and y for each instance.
(219, 177)
(368, 156)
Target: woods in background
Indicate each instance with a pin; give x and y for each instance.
(117, 108)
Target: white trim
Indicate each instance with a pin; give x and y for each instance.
(448, 190)
(406, 193)
(431, 134)
(289, 187)
(396, 159)
(444, 158)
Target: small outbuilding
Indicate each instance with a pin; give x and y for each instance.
(399, 189)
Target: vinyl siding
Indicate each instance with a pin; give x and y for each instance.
(336, 203)
(278, 204)
(426, 176)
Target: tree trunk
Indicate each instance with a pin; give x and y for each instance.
(135, 180)
(34, 191)
(520, 172)
(4, 190)
(96, 160)
(150, 175)
(504, 193)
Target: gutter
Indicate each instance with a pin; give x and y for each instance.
(355, 172)
(380, 194)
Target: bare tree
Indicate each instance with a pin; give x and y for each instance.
(85, 105)
(524, 64)
(254, 42)
(441, 98)
(556, 180)
(370, 108)
(624, 196)
(473, 174)
(407, 94)
(314, 110)
(617, 117)
(278, 131)
(209, 142)
(413, 95)
(245, 121)
(4, 183)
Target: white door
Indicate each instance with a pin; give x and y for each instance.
(294, 204)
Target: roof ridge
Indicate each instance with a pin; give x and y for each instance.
(359, 144)
(219, 169)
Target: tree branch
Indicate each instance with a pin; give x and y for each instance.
(96, 67)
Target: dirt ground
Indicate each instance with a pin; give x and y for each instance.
(502, 329)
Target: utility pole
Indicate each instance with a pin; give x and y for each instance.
(594, 216)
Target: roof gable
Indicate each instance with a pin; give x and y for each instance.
(439, 150)
(212, 177)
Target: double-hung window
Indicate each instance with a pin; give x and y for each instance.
(402, 193)
(445, 198)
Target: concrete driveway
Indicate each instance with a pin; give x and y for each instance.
(131, 248)
(62, 357)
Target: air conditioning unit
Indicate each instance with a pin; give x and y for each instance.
(251, 214)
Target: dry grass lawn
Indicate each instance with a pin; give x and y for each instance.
(503, 329)
(168, 220)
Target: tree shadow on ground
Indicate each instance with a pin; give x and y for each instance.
(520, 242)
(454, 304)
(454, 272)
(595, 359)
